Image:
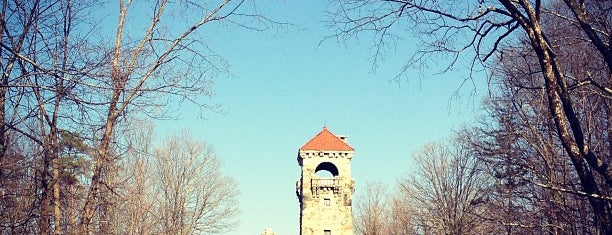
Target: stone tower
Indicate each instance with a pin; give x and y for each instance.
(268, 231)
(325, 201)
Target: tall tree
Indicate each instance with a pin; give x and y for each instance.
(519, 136)
(163, 61)
(59, 76)
(523, 134)
(39, 64)
(481, 29)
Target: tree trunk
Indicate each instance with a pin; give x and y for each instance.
(100, 162)
(56, 198)
(72, 210)
(45, 196)
(563, 114)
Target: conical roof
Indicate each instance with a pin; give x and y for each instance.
(326, 141)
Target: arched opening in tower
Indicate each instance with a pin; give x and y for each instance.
(326, 170)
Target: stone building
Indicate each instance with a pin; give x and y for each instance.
(325, 200)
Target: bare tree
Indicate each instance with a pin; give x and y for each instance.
(401, 214)
(161, 61)
(19, 203)
(447, 192)
(38, 81)
(57, 80)
(372, 210)
(481, 29)
(378, 211)
(176, 187)
(136, 204)
(194, 195)
(517, 139)
(520, 153)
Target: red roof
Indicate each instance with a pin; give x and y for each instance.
(326, 141)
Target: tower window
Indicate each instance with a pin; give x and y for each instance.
(327, 167)
(327, 232)
(326, 202)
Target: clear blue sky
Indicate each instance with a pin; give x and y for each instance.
(285, 87)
